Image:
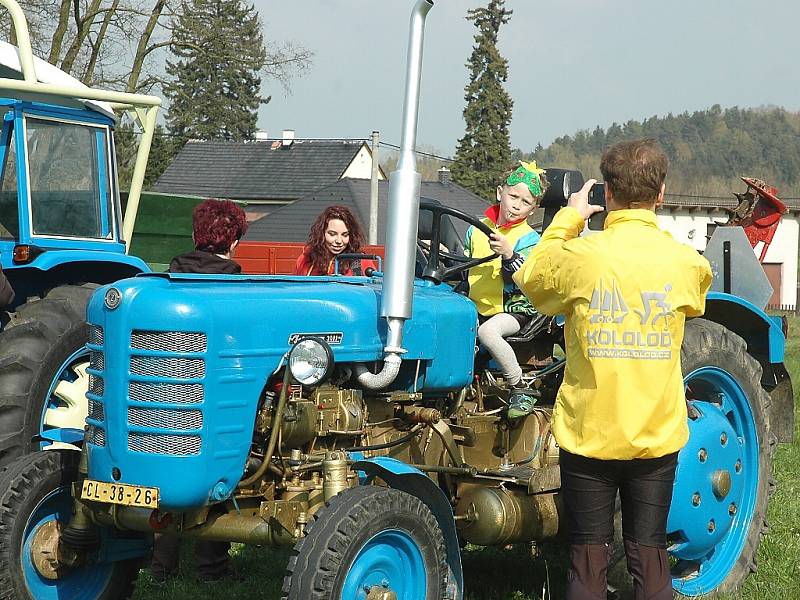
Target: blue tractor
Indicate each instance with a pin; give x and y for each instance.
(62, 234)
(350, 418)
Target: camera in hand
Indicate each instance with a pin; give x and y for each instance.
(597, 197)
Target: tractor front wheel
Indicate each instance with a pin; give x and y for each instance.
(370, 542)
(43, 361)
(35, 504)
(724, 475)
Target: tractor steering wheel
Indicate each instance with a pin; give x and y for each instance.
(435, 270)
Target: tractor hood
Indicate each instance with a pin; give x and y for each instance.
(178, 364)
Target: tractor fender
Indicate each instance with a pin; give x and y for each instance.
(411, 480)
(765, 341)
(763, 334)
(48, 261)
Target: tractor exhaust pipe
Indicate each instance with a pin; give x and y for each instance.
(401, 234)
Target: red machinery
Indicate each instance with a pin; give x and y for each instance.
(759, 212)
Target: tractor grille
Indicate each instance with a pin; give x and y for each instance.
(95, 335)
(97, 435)
(165, 418)
(172, 367)
(168, 341)
(176, 445)
(97, 361)
(168, 393)
(96, 411)
(96, 385)
(173, 356)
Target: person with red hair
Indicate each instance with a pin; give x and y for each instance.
(217, 227)
(335, 231)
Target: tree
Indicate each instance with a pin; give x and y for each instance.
(708, 150)
(103, 43)
(484, 153)
(220, 57)
(162, 151)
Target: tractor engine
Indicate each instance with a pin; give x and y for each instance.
(183, 391)
(209, 406)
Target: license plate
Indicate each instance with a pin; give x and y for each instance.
(120, 493)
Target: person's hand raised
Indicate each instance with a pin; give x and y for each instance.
(580, 201)
(500, 245)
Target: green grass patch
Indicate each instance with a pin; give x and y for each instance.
(514, 574)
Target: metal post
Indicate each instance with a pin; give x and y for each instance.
(20, 30)
(373, 192)
(147, 118)
(726, 267)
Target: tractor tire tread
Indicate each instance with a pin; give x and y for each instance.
(708, 342)
(314, 566)
(28, 348)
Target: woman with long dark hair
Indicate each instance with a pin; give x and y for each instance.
(335, 231)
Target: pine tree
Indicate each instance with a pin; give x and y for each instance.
(484, 153)
(215, 90)
(162, 151)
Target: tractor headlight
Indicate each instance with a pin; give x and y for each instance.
(310, 361)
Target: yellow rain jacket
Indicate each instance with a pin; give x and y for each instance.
(626, 293)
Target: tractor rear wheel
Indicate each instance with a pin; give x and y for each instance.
(370, 542)
(43, 362)
(724, 475)
(35, 502)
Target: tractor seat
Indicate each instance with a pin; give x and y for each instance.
(536, 325)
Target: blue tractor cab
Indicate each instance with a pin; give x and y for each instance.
(62, 234)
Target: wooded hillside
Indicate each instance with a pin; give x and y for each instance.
(708, 150)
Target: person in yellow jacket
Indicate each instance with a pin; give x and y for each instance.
(620, 414)
(502, 308)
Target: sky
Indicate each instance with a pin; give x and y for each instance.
(573, 64)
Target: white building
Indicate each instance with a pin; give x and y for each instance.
(692, 221)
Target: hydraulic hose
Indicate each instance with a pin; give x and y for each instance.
(410, 435)
(273, 437)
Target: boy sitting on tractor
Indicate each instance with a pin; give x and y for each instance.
(502, 308)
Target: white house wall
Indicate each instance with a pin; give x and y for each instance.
(690, 228)
(361, 166)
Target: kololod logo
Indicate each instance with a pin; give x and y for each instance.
(609, 305)
(613, 334)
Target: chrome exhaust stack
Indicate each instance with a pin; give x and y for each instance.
(401, 233)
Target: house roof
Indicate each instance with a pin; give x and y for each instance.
(675, 201)
(257, 170)
(291, 223)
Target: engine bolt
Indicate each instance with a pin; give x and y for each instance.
(732, 509)
(702, 455)
(738, 466)
(723, 438)
(711, 526)
(696, 499)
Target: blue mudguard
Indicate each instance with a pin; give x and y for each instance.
(402, 476)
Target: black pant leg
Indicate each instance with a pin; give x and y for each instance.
(646, 492)
(166, 552)
(212, 558)
(588, 490)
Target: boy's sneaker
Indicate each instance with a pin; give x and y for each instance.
(521, 402)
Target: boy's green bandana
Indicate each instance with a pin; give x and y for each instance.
(527, 173)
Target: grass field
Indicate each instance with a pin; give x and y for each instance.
(513, 574)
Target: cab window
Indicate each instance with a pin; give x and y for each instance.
(68, 179)
(9, 215)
